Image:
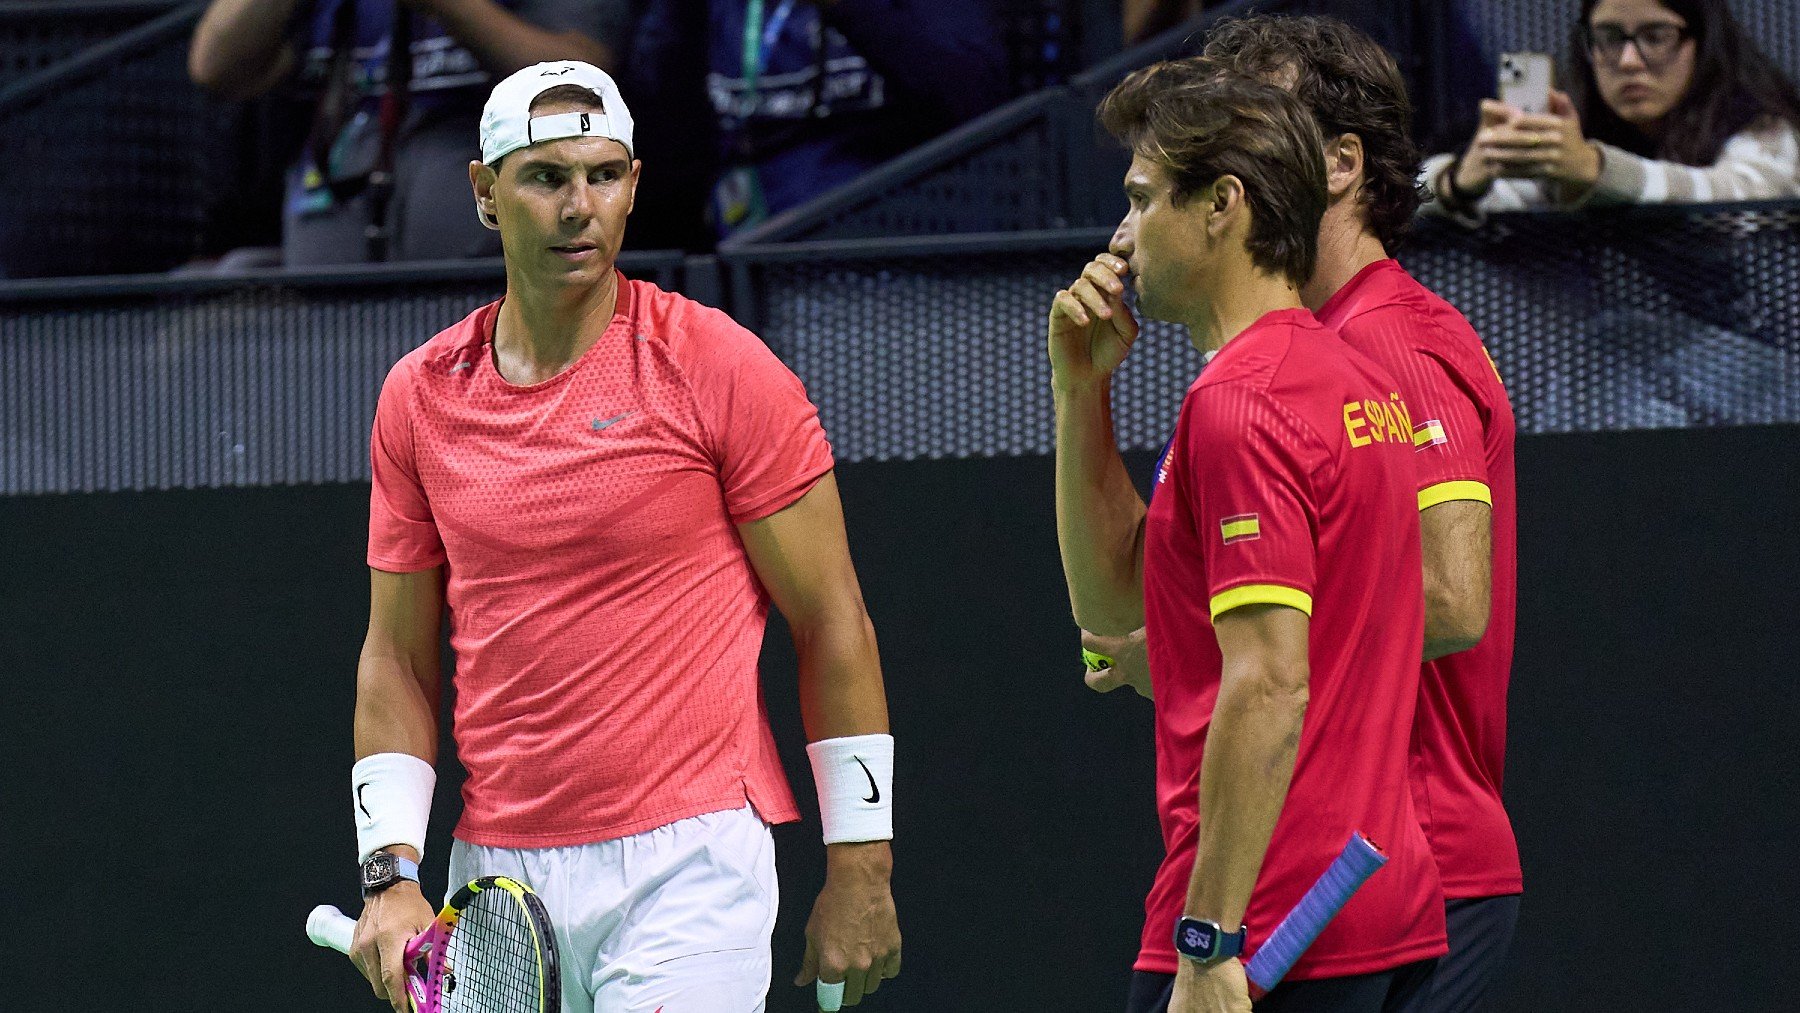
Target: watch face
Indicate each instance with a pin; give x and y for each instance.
(1197, 938)
(378, 869)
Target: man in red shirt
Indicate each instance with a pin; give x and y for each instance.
(1276, 567)
(1463, 441)
(605, 485)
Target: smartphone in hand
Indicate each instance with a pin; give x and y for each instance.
(1526, 80)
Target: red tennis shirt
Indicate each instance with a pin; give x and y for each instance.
(605, 617)
(1290, 481)
(1463, 442)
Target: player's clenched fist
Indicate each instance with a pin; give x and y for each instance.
(1129, 663)
(1091, 330)
(853, 936)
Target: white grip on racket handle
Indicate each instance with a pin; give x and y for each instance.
(329, 927)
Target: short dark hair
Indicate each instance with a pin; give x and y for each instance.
(571, 93)
(1352, 86)
(1734, 87)
(1198, 126)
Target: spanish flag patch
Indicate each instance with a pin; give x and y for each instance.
(1242, 528)
(1429, 433)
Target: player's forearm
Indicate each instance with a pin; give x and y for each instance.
(841, 691)
(1244, 775)
(1099, 515)
(240, 47)
(396, 706)
(505, 42)
(1458, 577)
(841, 695)
(1456, 612)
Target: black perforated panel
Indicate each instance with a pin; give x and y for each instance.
(1638, 319)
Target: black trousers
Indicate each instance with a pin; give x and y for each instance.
(1402, 989)
(1481, 931)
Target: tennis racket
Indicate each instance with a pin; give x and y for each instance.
(1342, 878)
(490, 950)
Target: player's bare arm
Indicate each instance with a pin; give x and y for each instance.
(1244, 777)
(240, 48)
(1099, 514)
(802, 557)
(397, 693)
(505, 42)
(1458, 543)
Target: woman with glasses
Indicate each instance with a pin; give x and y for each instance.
(1672, 103)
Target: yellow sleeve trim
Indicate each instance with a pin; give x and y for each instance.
(1260, 594)
(1444, 492)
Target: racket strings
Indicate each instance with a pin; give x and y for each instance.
(493, 959)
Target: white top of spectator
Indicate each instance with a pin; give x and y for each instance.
(1760, 162)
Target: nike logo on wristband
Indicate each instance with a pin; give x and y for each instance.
(359, 800)
(875, 791)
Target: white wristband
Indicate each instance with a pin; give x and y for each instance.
(391, 796)
(855, 778)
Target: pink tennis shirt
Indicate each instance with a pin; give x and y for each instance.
(605, 616)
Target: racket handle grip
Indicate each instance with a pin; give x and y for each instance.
(331, 928)
(1340, 881)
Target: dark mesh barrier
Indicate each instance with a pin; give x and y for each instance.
(122, 145)
(922, 348)
(1638, 319)
(171, 384)
(939, 351)
(1629, 320)
(38, 35)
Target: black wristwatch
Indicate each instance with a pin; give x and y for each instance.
(384, 869)
(1206, 943)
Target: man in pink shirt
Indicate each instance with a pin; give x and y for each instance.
(606, 484)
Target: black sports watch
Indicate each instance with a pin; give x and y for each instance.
(1206, 943)
(384, 869)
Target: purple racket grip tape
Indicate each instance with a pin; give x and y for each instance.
(1346, 874)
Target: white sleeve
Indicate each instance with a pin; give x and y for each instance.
(1761, 162)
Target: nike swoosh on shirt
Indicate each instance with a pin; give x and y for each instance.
(600, 424)
(875, 791)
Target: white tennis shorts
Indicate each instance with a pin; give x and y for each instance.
(675, 919)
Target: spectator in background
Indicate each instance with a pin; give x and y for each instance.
(805, 95)
(1679, 105)
(383, 174)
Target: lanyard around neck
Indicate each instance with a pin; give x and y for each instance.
(759, 41)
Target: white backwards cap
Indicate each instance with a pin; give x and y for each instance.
(507, 124)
